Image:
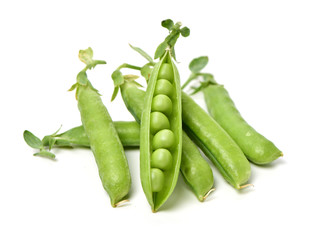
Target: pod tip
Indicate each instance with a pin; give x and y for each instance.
(207, 194)
(122, 202)
(246, 185)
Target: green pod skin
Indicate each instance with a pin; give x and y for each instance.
(195, 170)
(128, 133)
(215, 142)
(105, 144)
(255, 146)
(157, 198)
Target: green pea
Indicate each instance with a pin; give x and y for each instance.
(158, 121)
(166, 72)
(162, 159)
(157, 179)
(162, 103)
(163, 139)
(164, 87)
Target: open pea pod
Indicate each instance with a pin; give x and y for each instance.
(161, 133)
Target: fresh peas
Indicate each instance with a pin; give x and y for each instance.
(104, 141)
(157, 179)
(158, 121)
(215, 142)
(163, 139)
(162, 159)
(159, 186)
(166, 72)
(162, 103)
(164, 87)
(255, 146)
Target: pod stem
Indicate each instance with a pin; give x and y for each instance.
(86, 56)
(130, 66)
(204, 79)
(175, 31)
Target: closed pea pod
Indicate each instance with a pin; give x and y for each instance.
(255, 146)
(221, 107)
(103, 138)
(215, 142)
(128, 133)
(195, 170)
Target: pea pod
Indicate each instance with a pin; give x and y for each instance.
(221, 107)
(128, 133)
(196, 172)
(255, 146)
(215, 142)
(158, 184)
(104, 141)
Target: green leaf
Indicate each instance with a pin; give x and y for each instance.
(44, 153)
(197, 89)
(86, 56)
(161, 49)
(168, 23)
(130, 77)
(115, 93)
(137, 84)
(207, 77)
(32, 140)
(51, 142)
(197, 64)
(172, 51)
(177, 26)
(185, 31)
(191, 77)
(73, 87)
(95, 62)
(82, 78)
(142, 53)
(172, 41)
(117, 78)
(146, 71)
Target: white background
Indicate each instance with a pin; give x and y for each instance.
(268, 54)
